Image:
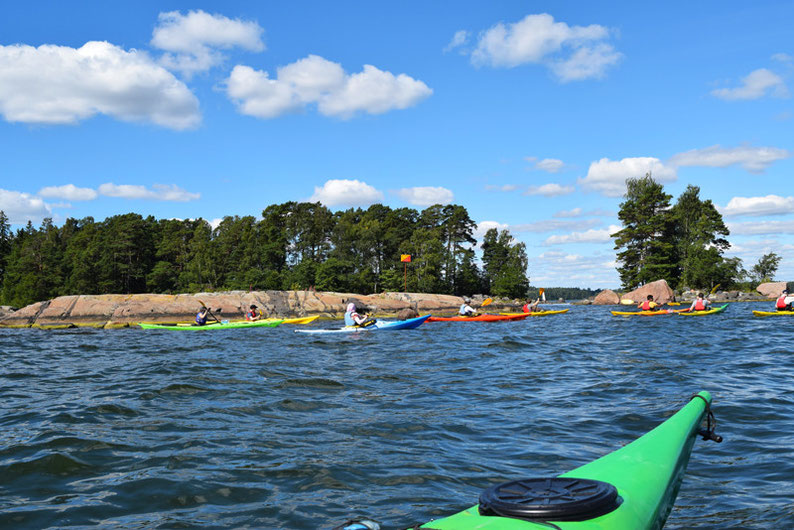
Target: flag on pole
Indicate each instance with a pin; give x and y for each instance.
(405, 258)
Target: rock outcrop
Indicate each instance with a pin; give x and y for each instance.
(115, 310)
(6, 310)
(659, 289)
(606, 297)
(771, 289)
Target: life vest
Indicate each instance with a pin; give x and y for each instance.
(199, 320)
(646, 305)
(781, 302)
(250, 315)
(700, 305)
(526, 308)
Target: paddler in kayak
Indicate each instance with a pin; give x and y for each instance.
(785, 302)
(649, 304)
(531, 306)
(354, 318)
(465, 309)
(252, 313)
(700, 303)
(201, 316)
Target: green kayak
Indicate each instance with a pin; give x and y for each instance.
(238, 324)
(712, 311)
(632, 488)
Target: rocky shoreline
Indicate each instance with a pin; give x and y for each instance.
(118, 311)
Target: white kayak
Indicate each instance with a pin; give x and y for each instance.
(411, 323)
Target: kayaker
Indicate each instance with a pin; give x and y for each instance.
(252, 313)
(354, 318)
(530, 306)
(649, 304)
(785, 302)
(465, 309)
(700, 303)
(201, 317)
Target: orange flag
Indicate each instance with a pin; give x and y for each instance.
(405, 258)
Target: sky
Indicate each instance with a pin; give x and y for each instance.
(529, 114)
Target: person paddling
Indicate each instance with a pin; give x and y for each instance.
(649, 304)
(201, 317)
(465, 309)
(530, 306)
(354, 318)
(785, 302)
(700, 303)
(252, 313)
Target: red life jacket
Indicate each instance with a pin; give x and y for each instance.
(525, 309)
(700, 305)
(646, 305)
(250, 315)
(781, 302)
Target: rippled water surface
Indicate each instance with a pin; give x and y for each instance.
(267, 428)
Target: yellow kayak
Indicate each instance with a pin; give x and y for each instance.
(301, 320)
(719, 309)
(773, 313)
(645, 313)
(539, 313)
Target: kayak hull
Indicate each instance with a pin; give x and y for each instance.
(300, 320)
(540, 313)
(411, 323)
(646, 473)
(241, 324)
(707, 312)
(645, 313)
(773, 313)
(479, 318)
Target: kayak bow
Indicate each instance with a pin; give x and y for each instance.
(631, 488)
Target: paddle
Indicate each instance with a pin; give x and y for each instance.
(486, 302)
(209, 311)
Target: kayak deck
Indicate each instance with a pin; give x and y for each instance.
(645, 313)
(393, 325)
(773, 313)
(479, 318)
(541, 313)
(240, 324)
(646, 473)
(713, 311)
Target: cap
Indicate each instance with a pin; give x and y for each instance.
(252, 306)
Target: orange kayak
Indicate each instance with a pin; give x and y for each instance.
(478, 318)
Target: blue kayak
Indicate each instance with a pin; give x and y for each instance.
(411, 323)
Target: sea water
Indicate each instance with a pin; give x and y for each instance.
(266, 428)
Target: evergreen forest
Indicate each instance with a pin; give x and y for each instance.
(294, 245)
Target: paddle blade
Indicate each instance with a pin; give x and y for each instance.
(714, 290)
(486, 302)
(626, 301)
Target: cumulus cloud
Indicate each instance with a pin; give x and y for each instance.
(608, 177)
(23, 207)
(562, 268)
(425, 195)
(504, 188)
(160, 192)
(69, 192)
(539, 227)
(317, 81)
(783, 58)
(753, 159)
(484, 226)
(755, 206)
(61, 85)
(458, 39)
(762, 228)
(589, 236)
(192, 41)
(572, 53)
(579, 212)
(549, 190)
(758, 84)
(345, 192)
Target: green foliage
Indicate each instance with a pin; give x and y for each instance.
(765, 269)
(505, 263)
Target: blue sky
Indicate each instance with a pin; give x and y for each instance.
(529, 114)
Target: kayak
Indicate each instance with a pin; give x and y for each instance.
(631, 488)
(773, 313)
(300, 320)
(238, 324)
(541, 313)
(646, 313)
(713, 311)
(479, 318)
(411, 323)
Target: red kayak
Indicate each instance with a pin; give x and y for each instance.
(478, 318)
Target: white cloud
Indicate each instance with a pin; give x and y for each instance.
(61, 85)
(549, 190)
(590, 236)
(317, 81)
(753, 159)
(550, 165)
(783, 58)
(193, 39)
(608, 177)
(572, 52)
(484, 226)
(578, 212)
(69, 192)
(458, 39)
(425, 195)
(551, 225)
(22, 207)
(160, 192)
(762, 228)
(759, 83)
(504, 188)
(344, 192)
(754, 206)
(555, 268)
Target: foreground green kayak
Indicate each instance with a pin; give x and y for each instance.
(712, 311)
(239, 324)
(632, 488)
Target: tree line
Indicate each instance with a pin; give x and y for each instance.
(682, 243)
(294, 245)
